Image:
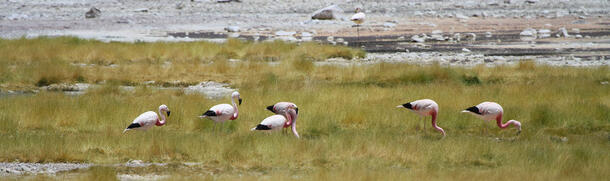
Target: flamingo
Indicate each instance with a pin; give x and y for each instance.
(277, 121)
(281, 108)
(358, 18)
(146, 120)
(223, 112)
(492, 111)
(424, 107)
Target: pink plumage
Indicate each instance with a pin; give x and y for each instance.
(425, 107)
(492, 111)
(149, 119)
(279, 121)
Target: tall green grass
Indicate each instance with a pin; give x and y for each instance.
(349, 125)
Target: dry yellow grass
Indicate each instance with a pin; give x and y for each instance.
(349, 126)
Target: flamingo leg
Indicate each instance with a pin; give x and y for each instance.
(358, 32)
(423, 121)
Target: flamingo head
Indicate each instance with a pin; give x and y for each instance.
(517, 124)
(358, 10)
(164, 108)
(236, 95)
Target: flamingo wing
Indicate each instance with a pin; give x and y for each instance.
(281, 107)
(223, 109)
(271, 123)
(143, 121)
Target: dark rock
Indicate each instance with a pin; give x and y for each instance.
(93, 13)
(326, 13)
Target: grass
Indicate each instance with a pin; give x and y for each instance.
(350, 129)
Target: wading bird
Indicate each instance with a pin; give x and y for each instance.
(277, 121)
(424, 107)
(492, 111)
(281, 108)
(146, 120)
(223, 112)
(358, 18)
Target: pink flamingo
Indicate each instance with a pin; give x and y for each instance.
(281, 108)
(424, 107)
(223, 112)
(492, 111)
(146, 120)
(277, 121)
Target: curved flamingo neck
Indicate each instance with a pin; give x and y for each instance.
(499, 122)
(234, 107)
(162, 122)
(505, 125)
(434, 114)
(292, 117)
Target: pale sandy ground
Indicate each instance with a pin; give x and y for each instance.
(391, 22)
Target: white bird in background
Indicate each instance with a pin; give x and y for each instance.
(492, 111)
(277, 121)
(223, 112)
(148, 119)
(358, 18)
(424, 107)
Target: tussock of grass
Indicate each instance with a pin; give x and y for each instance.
(349, 125)
(63, 58)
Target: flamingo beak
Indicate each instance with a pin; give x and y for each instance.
(168, 112)
(240, 101)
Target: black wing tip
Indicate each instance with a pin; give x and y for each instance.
(134, 125)
(209, 113)
(262, 127)
(408, 105)
(270, 108)
(473, 109)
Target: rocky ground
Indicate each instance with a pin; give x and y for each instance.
(558, 30)
(487, 27)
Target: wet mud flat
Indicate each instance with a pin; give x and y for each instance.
(587, 44)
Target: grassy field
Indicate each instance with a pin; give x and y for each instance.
(349, 125)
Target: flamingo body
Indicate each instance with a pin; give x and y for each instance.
(270, 123)
(149, 119)
(491, 111)
(277, 122)
(425, 107)
(223, 112)
(281, 107)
